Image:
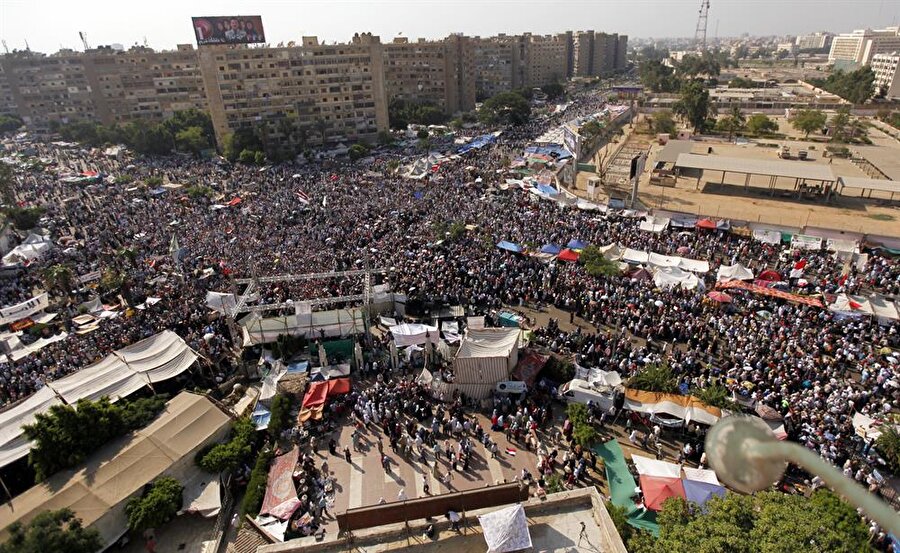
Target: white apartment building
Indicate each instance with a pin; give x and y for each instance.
(856, 49)
(887, 74)
(814, 41)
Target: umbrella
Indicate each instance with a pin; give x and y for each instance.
(802, 282)
(683, 249)
(763, 314)
(769, 274)
(767, 413)
(720, 297)
(706, 223)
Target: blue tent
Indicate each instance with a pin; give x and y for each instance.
(553, 150)
(477, 143)
(701, 492)
(547, 190)
(298, 368)
(509, 246)
(552, 249)
(576, 245)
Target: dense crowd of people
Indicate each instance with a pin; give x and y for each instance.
(231, 220)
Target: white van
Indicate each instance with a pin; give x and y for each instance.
(581, 391)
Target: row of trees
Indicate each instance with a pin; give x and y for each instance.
(856, 86)
(186, 131)
(510, 108)
(66, 435)
(766, 522)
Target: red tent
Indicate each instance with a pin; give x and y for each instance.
(770, 275)
(318, 392)
(707, 224)
(658, 489)
(568, 255)
(640, 274)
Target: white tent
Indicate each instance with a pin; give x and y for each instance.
(506, 530)
(485, 358)
(109, 377)
(409, 334)
(701, 475)
(635, 257)
(651, 467)
(654, 224)
(733, 272)
(659, 260)
(218, 301)
(694, 265)
(32, 248)
(612, 252)
(883, 308)
(13, 444)
(667, 277)
(851, 306)
(159, 357)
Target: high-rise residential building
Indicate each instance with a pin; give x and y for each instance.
(546, 59)
(143, 84)
(857, 49)
(298, 95)
(814, 41)
(598, 54)
(887, 74)
(49, 89)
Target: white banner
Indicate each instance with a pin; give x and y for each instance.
(802, 242)
(24, 309)
(83, 279)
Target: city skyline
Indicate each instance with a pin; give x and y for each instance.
(166, 23)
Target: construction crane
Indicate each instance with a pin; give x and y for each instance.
(84, 41)
(700, 33)
(5, 47)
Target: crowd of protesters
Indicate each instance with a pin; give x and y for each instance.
(233, 220)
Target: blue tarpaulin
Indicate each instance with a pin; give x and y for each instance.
(553, 150)
(509, 246)
(701, 492)
(546, 190)
(552, 249)
(576, 245)
(298, 368)
(260, 417)
(477, 143)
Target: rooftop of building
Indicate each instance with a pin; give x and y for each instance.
(554, 524)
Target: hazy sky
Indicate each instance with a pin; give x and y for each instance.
(47, 25)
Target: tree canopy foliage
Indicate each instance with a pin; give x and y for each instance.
(760, 124)
(856, 86)
(190, 130)
(596, 264)
(66, 435)
(809, 120)
(694, 104)
(658, 77)
(159, 504)
(663, 122)
(229, 455)
(507, 107)
(52, 531)
(767, 522)
(402, 113)
(9, 123)
(654, 378)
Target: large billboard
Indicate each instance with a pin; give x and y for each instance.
(235, 29)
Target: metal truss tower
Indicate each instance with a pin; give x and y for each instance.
(700, 33)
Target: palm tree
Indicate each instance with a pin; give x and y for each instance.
(59, 277)
(322, 127)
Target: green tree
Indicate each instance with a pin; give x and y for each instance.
(256, 487)
(654, 378)
(663, 122)
(767, 522)
(247, 156)
(889, 446)
(809, 120)
(694, 105)
(9, 123)
(52, 531)
(658, 77)
(731, 123)
(7, 184)
(189, 118)
(229, 455)
(553, 90)
(716, 396)
(839, 124)
(280, 417)
(241, 139)
(385, 138)
(59, 277)
(65, 435)
(191, 140)
(422, 134)
(24, 218)
(506, 107)
(759, 124)
(259, 158)
(157, 506)
(856, 87)
(596, 265)
(740, 82)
